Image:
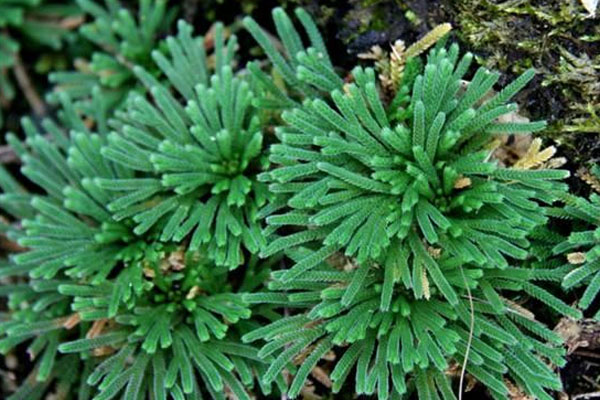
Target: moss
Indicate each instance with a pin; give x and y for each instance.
(577, 78)
(558, 39)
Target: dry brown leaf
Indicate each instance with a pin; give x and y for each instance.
(382, 60)
(175, 261)
(299, 358)
(454, 371)
(576, 258)
(515, 393)
(563, 396)
(96, 328)
(337, 260)
(376, 53)
(390, 65)
(194, 291)
(434, 252)
(520, 309)
(425, 283)
(535, 156)
(11, 361)
(462, 183)
(329, 356)
(308, 392)
(510, 149)
(10, 245)
(525, 152)
(577, 334)
(72, 321)
(71, 23)
(588, 178)
(322, 376)
(103, 351)
(522, 150)
(397, 60)
(148, 272)
(350, 265)
(555, 163)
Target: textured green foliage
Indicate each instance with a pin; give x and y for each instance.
(181, 325)
(127, 232)
(394, 237)
(123, 40)
(38, 311)
(582, 246)
(307, 70)
(366, 182)
(28, 17)
(426, 219)
(33, 23)
(391, 349)
(196, 161)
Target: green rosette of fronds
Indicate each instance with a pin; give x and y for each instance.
(361, 182)
(196, 154)
(410, 193)
(115, 267)
(141, 315)
(123, 37)
(169, 325)
(179, 319)
(414, 344)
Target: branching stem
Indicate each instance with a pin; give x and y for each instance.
(33, 98)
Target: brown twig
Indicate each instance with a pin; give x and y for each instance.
(591, 381)
(34, 99)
